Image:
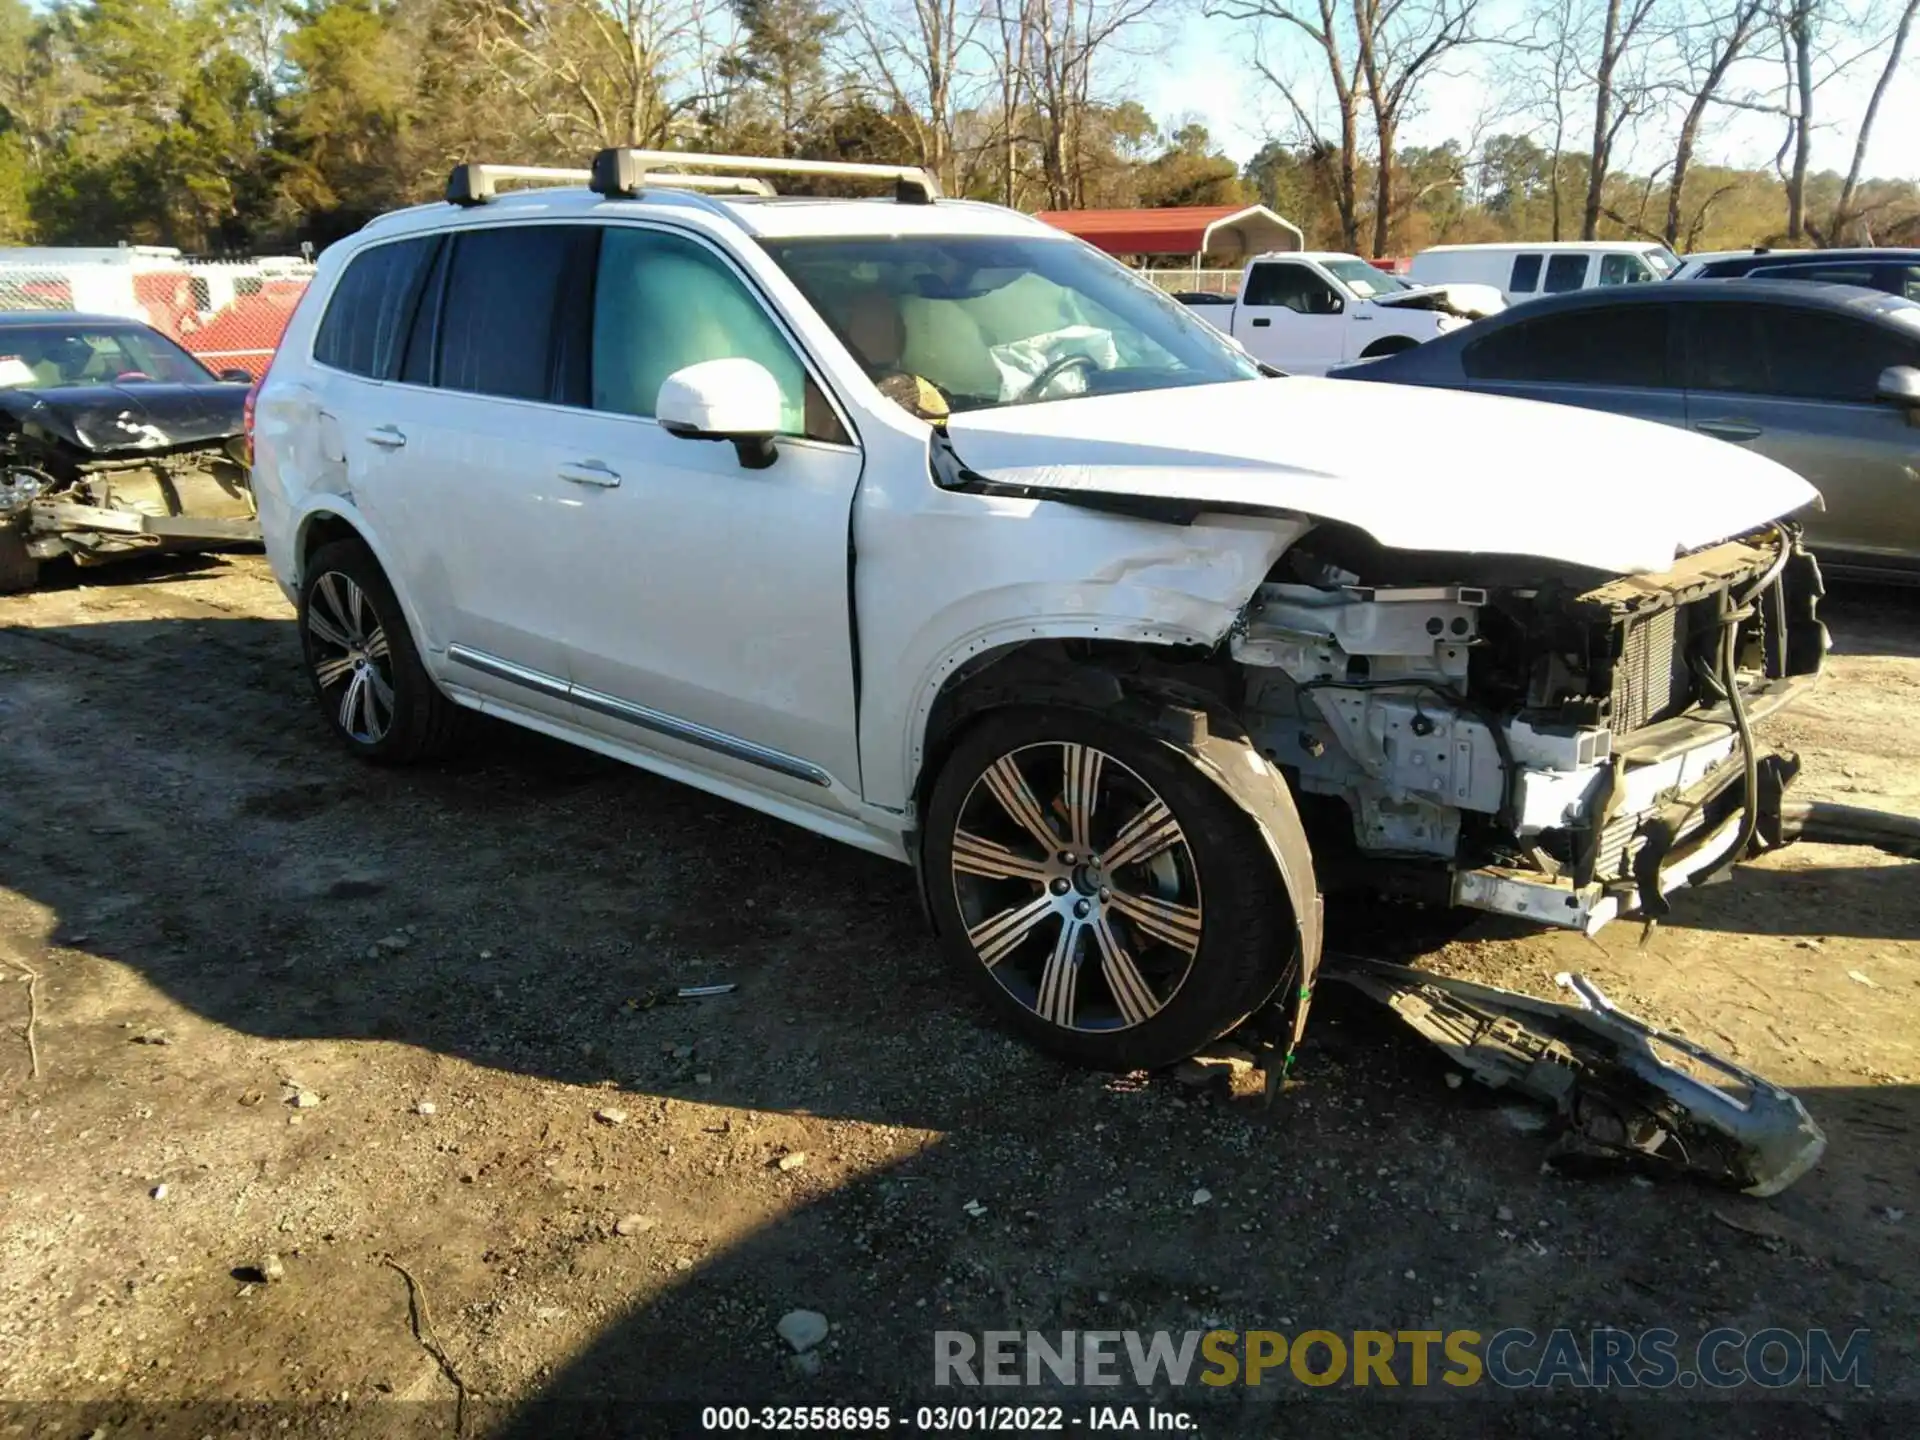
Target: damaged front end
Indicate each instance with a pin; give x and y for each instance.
(1535, 744)
(119, 477)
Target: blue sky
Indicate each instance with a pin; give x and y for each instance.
(1204, 71)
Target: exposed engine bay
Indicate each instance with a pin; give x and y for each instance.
(1546, 743)
(98, 487)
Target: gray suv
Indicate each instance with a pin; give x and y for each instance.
(1824, 379)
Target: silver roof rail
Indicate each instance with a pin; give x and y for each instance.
(477, 184)
(622, 172)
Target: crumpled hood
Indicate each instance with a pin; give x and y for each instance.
(135, 418)
(1472, 302)
(1416, 468)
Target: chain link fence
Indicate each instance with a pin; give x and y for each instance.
(1195, 282)
(229, 313)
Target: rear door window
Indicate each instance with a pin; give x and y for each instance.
(1526, 274)
(1787, 351)
(1624, 345)
(370, 309)
(1565, 272)
(511, 323)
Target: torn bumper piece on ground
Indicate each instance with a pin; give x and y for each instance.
(1598, 1067)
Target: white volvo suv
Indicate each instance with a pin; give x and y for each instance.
(926, 527)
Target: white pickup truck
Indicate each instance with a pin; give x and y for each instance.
(1307, 311)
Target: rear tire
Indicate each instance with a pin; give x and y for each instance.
(1103, 895)
(364, 667)
(18, 570)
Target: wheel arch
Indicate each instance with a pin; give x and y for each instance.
(1131, 682)
(1388, 345)
(332, 518)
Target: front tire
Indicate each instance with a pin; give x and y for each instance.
(362, 662)
(1105, 897)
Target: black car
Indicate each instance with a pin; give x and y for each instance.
(114, 441)
(1824, 379)
(1895, 272)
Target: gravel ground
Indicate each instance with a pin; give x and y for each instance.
(311, 1034)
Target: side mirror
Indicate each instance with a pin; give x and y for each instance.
(1900, 385)
(236, 375)
(735, 399)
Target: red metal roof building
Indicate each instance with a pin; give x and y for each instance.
(1221, 234)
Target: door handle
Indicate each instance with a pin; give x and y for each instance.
(387, 437)
(590, 472)
(1262, 323)
(1728, 429)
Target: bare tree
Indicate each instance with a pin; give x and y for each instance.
(1010, 73)
(1066, 41)
(1798, 27)
(596, 72)
(1709, 49)
(1399, 43)
(916, 54)
(1620, 92)
(1843, 207)
(1321, 22)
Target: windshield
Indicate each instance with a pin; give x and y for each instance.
(1363, 279)
(1664, 262)
(951, 323)
(46, 357)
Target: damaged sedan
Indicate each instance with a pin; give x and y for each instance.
(114, 442)
(925, 527)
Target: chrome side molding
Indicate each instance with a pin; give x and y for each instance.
(646, 718)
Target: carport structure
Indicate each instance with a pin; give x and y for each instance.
(1209, 236)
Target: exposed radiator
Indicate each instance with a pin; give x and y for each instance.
(1650, 680)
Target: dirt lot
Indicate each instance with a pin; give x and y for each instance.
(289, 1005)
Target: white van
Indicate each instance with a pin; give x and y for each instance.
(1521, 272)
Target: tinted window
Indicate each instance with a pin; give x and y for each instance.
(1565, 272)
(1611, 345)
(1526, 273)
(1801, 354)
(1903, 280)
(370, 309)
(1293, 287)
(498, 327)
(662, 303)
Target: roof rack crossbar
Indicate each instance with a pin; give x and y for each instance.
(473, 184)
(621, 172)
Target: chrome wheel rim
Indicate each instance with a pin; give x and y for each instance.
(347, 646)
(1085, 906)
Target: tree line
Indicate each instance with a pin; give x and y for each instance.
(225, 126)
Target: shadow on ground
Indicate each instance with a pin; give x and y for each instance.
(170, 797)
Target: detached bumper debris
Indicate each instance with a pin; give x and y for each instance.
(1597, 1067)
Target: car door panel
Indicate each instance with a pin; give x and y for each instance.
(1797, 384)
(1275, 323)
(720, 605)
(491, 527)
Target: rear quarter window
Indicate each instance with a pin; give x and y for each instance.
(1623, 345)
(366, 320)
